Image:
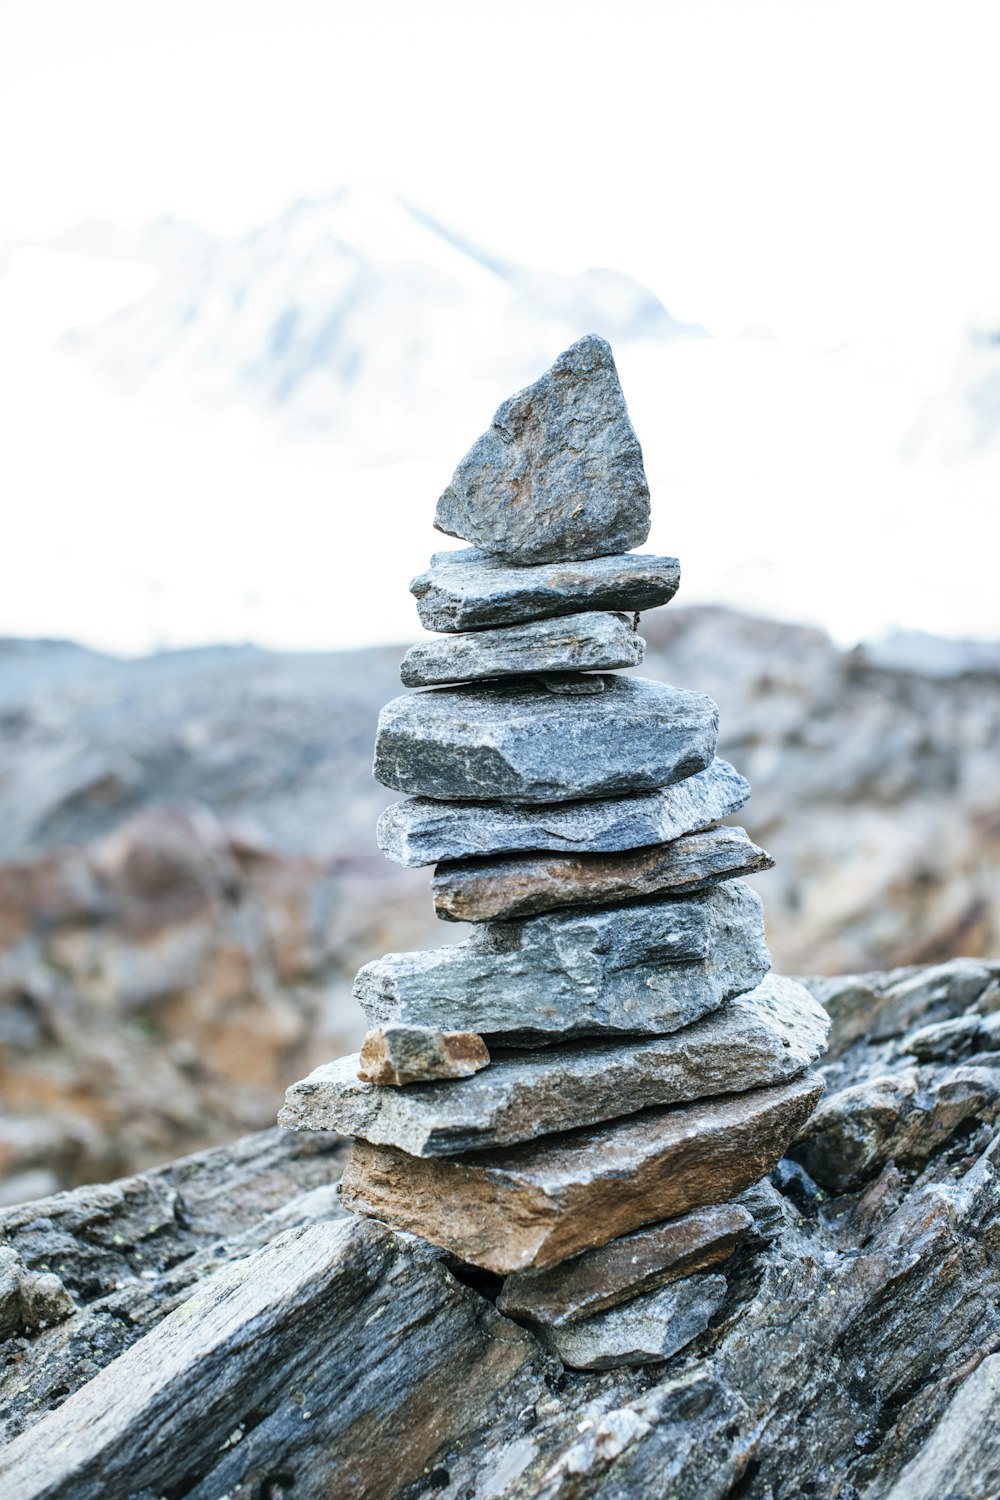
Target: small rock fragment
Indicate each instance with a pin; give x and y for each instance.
(596, 641)
(397, 1055)
(645, 1331)
(467, 590)
(29, 1299)
(559, 474)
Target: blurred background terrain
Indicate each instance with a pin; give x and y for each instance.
(265, 272)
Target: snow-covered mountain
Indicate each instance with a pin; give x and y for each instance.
(357, 317)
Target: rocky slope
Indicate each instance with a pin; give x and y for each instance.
(220, 1326)
(190, 880)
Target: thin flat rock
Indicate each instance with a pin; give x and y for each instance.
(527, 741)
(596, 641)
(627, 1267)
(646, 1331)
(398, 1055)
(483, 890)
(766, 1036)
(559, 473)
(420, 831)
(539, 1204)
(468, 590)
(650, 969)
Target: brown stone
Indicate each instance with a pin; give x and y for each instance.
(635, 1263)
(478, 890)
(537, 1205)
(397, 1055)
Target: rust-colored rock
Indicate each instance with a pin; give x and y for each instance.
(397, 1055)
(540, 1204)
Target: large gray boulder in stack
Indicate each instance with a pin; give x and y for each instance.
(469, 590)
(552, 740)
(559, 473)
(421, 831)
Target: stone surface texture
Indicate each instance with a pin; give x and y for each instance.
(398, 1055)
(468, 590)
(522, 886)
(634, 1263)
(538, 1204)
(767, 1036)
(648, 968)
(420, 831)
(815, 1376)
(645, 1331)
(523, 742)
(597, 641)
(559, 473)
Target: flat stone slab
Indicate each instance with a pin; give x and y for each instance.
(483, 890)
(649, 968)
(766, 1036)
(467, 589)
(420, 831)
(539, 1204)
(596, 641)
(397, 1055)
(627, 1267)
(559, 473)
(646, 1331)
(529, 741)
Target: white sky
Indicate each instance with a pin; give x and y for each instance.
(823, 170)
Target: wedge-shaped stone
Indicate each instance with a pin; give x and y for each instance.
(539, 1204)
(649, 968)
(644, 1332)
(597, 641)
(764, 1037)
(482, 890)
(421, 831)
(526, 741)
(467, 590)
(627, 1267)
(559, 473)
(398, 1055)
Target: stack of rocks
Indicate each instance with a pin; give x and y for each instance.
(576, 1097)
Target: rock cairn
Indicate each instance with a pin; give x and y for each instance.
(581, 1096)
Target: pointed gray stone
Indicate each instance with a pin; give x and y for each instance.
(511, 885)
(645, 1331)
(525, 742)
(649, 968)
(559, 473)
(421, 831)
(625, 1268)
(595, 641)
(467, 589)
(766, 1036)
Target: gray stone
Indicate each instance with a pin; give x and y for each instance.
(766, 1036)
(467, 589)
(421, 831)
(398, 1055)
(541, 1203)
(522, 742)
(481, 890)
(649, 968)
(626, 1267)
(559, 473)
(646, 1331)
(595, 641)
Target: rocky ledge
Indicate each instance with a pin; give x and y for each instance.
(220, 1327)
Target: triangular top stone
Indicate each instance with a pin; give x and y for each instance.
(559, 474)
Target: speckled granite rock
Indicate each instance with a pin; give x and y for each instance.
(421, 831)
(523, 741)
(467, 590)
(397, 1055)
(596, 641)
(559, 473)
(649, 968)
(481, 890)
